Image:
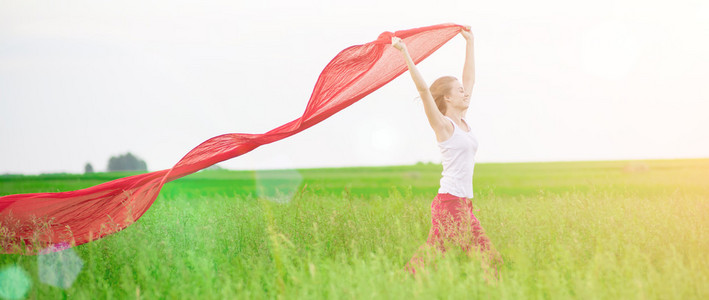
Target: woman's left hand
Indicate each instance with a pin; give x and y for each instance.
(398, 44)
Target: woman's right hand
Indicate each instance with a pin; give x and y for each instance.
(466, 33)
(398, 44)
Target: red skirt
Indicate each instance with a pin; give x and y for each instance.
(453, 222)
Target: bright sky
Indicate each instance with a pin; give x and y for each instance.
(556, 80)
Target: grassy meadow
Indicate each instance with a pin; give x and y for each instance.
(567, 230)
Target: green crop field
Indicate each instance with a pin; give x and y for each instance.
(585, 230)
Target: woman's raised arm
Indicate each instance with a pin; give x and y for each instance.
(442, 127)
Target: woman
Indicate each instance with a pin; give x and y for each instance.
(446, 103)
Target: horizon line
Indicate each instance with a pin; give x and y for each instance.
(372, 166)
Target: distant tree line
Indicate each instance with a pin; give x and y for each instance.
(126, 162)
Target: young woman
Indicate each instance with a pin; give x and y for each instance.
(446, 102)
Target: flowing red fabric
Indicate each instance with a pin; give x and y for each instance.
(32, 222)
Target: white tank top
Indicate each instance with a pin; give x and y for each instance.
(458, 161)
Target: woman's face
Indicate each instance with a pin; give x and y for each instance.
(457, 97)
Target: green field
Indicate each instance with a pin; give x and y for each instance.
(586, 230)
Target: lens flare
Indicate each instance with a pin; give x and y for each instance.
(14, 283)
(278, 185)
(59, 266)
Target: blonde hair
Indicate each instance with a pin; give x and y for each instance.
(439, 89)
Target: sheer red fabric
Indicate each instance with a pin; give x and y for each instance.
(30, 223)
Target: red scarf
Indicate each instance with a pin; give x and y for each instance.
(78, 217)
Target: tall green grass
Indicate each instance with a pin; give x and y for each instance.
(588, 230)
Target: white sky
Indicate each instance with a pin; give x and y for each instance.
(556, 80)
